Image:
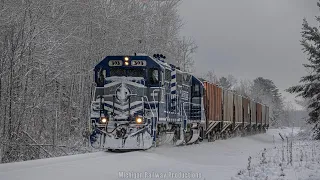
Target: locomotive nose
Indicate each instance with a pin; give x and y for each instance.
(122, 93)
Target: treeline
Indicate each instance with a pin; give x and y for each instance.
(47, 52)
(309, 85)
(263, 91)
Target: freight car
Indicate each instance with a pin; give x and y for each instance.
(141, 101)
(230, 114)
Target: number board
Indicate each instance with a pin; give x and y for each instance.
(115, 63)
(138, 63)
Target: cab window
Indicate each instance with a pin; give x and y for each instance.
(154, 76)
(101, 75)
(179, 78)
(196, 90)
(137, 72)
(186, 78)
(117, 72)
(168, 75)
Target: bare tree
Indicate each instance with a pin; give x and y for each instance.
(211, 77)
(47, 52)
(185, 48)
(244, 88)
(233, 81)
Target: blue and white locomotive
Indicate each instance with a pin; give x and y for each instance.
(141, 101)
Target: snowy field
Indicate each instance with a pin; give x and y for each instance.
(297, 161)
(219, 160)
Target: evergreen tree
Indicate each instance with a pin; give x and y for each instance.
(266, 92)
(227, 82)
(309, 87)
(224, 83)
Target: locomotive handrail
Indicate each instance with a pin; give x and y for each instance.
(148, 104)
(157, 109)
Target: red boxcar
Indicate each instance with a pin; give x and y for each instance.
(223, 105)
(213, 102)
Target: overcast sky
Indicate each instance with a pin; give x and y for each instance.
(249, 38)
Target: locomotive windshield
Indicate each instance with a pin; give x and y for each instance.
(151, 75)
(117, 72)
(135, 72)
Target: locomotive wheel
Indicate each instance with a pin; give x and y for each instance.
(214, 136)
(238, 132)
(224, 135)
(228, 134)
(218, 135)
(244, 133)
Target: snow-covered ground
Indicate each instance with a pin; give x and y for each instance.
(299, 161)
(218, 160)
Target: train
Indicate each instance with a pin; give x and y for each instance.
(141, 101)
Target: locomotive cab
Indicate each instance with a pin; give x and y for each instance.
(124, 81)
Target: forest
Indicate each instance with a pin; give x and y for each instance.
(49, 48)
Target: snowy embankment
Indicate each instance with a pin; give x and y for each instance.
(293, 159)
(219, 160)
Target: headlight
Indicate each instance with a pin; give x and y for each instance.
(138, 120)
(104, 120)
